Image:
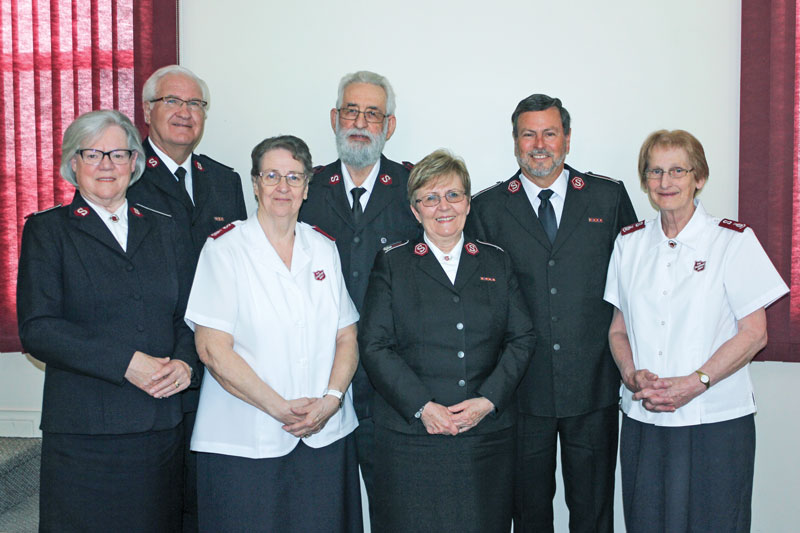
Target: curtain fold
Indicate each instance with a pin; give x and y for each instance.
(61, 58)
(769, 191)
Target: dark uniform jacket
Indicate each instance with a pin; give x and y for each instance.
(572, 371)
(85, 306)
(217, 191)
(422, 338)
(387, 219)
(218, 201)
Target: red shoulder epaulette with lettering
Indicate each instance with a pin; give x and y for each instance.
(409, 165)
(732, 224)
(222, 231)
(317, 228)
(632, 227)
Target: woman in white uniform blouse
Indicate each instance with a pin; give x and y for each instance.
(689, 292)
(276, 328)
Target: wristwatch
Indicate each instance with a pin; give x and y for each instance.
(339, 395)
(704, 379)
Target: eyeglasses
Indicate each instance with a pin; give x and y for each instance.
(432, 200)
(273, 177)
(370, 115)
(90, 156)
(674, 173)
(173, 102)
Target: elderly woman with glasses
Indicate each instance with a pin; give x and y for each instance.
(276, 330)
(101, 296)
(445, 339)
(690, 292)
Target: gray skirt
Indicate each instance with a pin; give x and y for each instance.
(684, 479)
(436, 483)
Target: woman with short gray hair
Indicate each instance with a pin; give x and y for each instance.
(101, 296)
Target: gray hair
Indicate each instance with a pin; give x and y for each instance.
(149, 91)
(294, 145)
(365, 76)
(540, 102)
(88, 127)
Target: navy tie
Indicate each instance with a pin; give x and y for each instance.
(547, 216)
(357, 209)
(180, 173)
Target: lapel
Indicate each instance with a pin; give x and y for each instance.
(200, 186)
(575, 205)
(138, 227)
(467, 265)
(161, 177)
(336, 199)
(382, 192)
(429, 265)
(87, 221)
(520, 208)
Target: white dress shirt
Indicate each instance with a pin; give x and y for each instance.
(369, 184)
(450, 260)
(559, 188)
(116, 222)
(172, 166)
(681, 299)
(284, 325)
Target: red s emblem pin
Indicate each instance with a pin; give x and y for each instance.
(335, 179)
(319, 275)
(699, 265)
(136, 212)
(471, 248)
(578, 183)
(513, 186)
(198, 166)
(386, 179)
(421, 249)
(82, 212)
(152, 162)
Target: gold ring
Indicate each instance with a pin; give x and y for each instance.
(177, 384)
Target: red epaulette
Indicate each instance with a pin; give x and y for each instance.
(222, 231)
(409, 165)
(732, 224)
(317, 228)
(632, 227)
(318, 169)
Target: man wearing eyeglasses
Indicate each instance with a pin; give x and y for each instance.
(199, 194)
(559, 227)
(360, 200)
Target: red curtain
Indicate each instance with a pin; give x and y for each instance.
(61, 58)
(769, 191)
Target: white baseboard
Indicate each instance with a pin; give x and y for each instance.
(20, 423)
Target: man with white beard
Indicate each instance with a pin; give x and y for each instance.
(360, 201)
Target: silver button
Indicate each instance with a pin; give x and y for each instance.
(461, 355)
(383, 240)
(551, 263)
(355, 273)
(553, 290)
(459, 326)
(356, 239)
(461, 382)
(556, 347)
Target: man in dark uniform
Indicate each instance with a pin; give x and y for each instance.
(361, 201)
(559, 225)
(200, 194)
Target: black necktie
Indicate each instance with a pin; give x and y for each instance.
(547, 216)
(180, 173)
(357, 209)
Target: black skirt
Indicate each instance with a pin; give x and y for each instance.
(692, 478)
(307, 491)
(436, 483)
(111, 482)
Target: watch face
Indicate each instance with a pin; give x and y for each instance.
(704, 379)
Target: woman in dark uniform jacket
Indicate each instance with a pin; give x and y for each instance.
(445, 338)
(100, 299)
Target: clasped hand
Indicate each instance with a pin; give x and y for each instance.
(663, 395)
(455, 419)
(303, 417)
(160, 377)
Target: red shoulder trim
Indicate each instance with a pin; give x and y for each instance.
(732, 224)
(632, 227)
(222, 231)
(317, 228)
(409, 165)
(318, 169)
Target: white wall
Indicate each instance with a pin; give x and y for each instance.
(623, 68)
